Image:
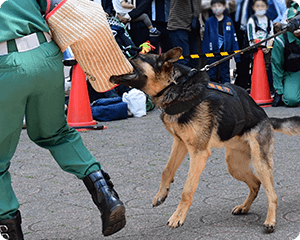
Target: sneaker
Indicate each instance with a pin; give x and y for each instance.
(154, 32)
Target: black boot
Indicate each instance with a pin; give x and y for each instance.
(277, 100)
(107, 200)
(11, 228)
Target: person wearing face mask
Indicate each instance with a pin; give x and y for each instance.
(259, 27)
(285, 62)
(219, 36)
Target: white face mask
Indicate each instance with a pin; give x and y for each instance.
(260, 12)
(218, 11)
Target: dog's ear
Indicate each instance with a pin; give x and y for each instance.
(170, 56)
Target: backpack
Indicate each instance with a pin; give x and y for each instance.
(258, 28)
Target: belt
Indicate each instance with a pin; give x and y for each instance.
(25, 43)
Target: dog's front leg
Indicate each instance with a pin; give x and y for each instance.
(178, 153)
(197, 165)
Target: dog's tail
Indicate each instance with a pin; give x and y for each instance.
(289, 126)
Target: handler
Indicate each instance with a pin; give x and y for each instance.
(285, 62)
(32, 84)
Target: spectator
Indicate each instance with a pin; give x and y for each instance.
(123, 7)
(259, 27)
(160, 15)
(285, 62)
(241, 16)
(180, 19)
(138, 31)
(219, 36)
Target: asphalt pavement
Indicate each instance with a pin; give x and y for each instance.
(56, 205)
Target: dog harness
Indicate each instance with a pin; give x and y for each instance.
(178, 107)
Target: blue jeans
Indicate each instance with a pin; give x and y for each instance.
(188, 42)
(224, 70)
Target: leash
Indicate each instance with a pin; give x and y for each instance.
(207, 67)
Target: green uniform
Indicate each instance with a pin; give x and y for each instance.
(286, 83)
(32, 84)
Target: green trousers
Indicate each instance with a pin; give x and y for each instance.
(32, 84)
(289, 87)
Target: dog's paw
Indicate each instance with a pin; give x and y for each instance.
(241, 209)
(160, 198)
(177, 219)
(269, 227)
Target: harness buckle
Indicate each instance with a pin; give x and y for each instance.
(5, 236)
(3, 228)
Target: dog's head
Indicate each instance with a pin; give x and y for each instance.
(152, 73)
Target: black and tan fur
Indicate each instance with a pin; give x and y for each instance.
(199, 119)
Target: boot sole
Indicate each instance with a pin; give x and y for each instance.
(116, 221)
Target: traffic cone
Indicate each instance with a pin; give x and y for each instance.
(79, 109)
(260, 90)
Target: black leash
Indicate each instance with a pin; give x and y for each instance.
(207, 67)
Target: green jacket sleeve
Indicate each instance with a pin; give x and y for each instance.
(44, 4)
(277, 61)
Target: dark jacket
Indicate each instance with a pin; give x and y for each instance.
(142, 6)
(210, 39)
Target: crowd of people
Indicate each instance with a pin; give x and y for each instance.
(223, 26)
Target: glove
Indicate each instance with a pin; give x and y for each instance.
(146, 47)
(294, 24)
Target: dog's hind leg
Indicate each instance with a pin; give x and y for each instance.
(262, 145)
(238, 163)
(197, 165)
(178, 153)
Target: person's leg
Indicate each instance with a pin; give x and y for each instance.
(243, 75)
(144, 17)
(139, 35)
(267, 58)
(45, 117)
(193, 48)
(164, 40)
(291, 90)
(180, 38)
(13, 91)
(225, 72)
(213, 71)
(47, 127)
(153, 32)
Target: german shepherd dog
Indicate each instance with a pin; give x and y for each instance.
(201, 115)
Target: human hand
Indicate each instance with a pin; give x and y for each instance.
(122, 19)
(293, 24)
(277, 27)
(266, 50)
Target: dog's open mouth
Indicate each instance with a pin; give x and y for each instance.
(123, 78)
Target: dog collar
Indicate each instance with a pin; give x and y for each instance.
(179, 80)
(186, 77)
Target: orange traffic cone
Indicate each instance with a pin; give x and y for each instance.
(260, 90)
(79, 110)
